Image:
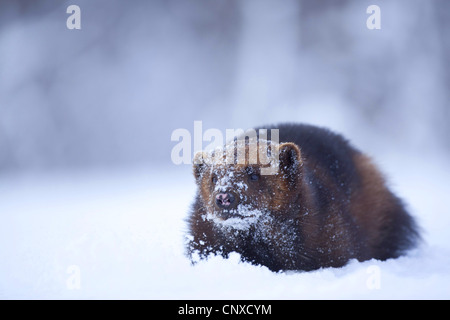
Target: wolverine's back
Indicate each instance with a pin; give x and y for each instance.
(346, 182)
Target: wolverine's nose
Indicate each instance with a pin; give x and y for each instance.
(226, 200)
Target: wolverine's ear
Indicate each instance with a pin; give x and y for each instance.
(199, 164)
(290, 161)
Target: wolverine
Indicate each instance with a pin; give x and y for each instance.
(324, 204)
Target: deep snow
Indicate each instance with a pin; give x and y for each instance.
(119, 234)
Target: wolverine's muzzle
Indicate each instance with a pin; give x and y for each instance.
(226, 200)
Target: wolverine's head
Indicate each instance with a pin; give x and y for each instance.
(244, 181)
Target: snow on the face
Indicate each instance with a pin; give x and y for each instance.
(222, 163)
(241, 186)
(247, 217)
(226, 180)
(260, 152)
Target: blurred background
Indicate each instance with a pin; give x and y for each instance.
(112, 93)
(86, 118)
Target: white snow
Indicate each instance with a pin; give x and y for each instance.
(120, 234)
(247, 217)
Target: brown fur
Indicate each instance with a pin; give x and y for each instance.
(326, 204)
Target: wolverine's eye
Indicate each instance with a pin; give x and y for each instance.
(214, 179)
(253, 174)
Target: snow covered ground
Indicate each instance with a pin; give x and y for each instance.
(119, 234)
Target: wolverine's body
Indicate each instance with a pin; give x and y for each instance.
(326, 204)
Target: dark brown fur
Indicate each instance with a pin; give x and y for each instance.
(327, 204)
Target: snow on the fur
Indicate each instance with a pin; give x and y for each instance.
(262, 152)
(245, 219)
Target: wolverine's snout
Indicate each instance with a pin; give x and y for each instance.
(226, 200)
